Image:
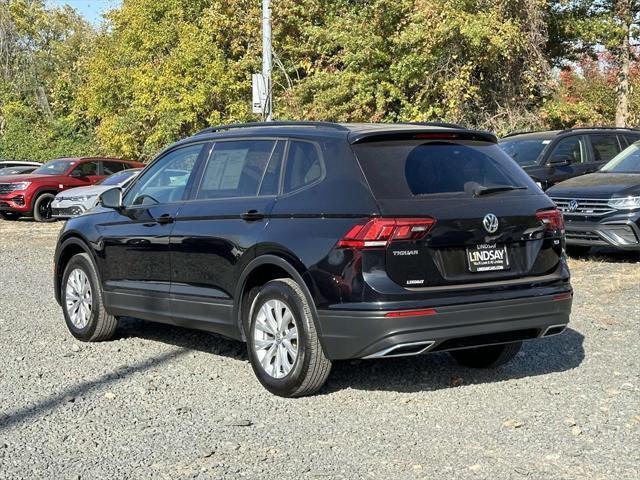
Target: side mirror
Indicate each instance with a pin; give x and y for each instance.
(77, 174)
(560, 160)
(111, 198)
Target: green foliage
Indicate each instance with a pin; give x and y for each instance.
(579, 27)
(159, 70)
(39, 79)
(167, 68)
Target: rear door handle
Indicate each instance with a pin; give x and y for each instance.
(251, 216)
(164, 219)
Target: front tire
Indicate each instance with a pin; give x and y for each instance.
(491, 356)
(82, 302)
(42, 208)
(283, 345)
(9, 215)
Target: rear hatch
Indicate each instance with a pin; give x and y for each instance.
(490, 221)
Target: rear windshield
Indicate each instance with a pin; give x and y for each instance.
(525, 152)
(627, 161)
(406, 169)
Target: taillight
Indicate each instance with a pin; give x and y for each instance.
(551, 219)
(379, 232)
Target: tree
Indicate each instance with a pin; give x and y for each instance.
(40, 51)
(582, 27)
(478, 62)
(166, 68)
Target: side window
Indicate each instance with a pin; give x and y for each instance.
(109, 168)
(572, 149)
(605, 147)
(86, 169)
(166, 180)
(631, 138)
(236, 169)
(304, 166)
(270, 184)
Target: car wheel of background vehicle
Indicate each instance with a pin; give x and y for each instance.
(283, 345)
(9, 215)
(486, 357)
(577, 250)
(42, 208)
(82, 302)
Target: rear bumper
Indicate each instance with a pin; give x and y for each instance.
(624, 235)
(348, 334)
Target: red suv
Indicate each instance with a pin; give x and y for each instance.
(32, 194)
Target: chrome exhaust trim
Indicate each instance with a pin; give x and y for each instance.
(562, 327)
(421, 347)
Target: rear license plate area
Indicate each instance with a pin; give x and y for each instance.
(487, 258)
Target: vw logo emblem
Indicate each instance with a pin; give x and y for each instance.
(573, 205)
(490, 223)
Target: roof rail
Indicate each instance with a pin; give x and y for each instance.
(598, 128)
(233, 126)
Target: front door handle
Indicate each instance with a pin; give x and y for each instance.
(164, 219)
(251, 216)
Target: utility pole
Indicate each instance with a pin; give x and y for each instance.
(267, 59)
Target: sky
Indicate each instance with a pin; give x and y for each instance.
(89, 9)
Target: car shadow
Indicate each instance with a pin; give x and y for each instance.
(608, 255)
(438, 371)
(406, 374)
(182, 337)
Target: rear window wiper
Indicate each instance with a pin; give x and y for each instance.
(479, 191)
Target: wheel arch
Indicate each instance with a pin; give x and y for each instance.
(261, 270)
(70, 246)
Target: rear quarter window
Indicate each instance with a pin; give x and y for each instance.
(408, 169)
(304, 166)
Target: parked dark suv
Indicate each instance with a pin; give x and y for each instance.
(316, 242)
(603, 208)
(554, 156)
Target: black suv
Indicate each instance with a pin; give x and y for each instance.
(603, 208)
(316, 242)
(554, 156)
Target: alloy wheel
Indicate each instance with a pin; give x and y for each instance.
(78, 298)
(275, 338)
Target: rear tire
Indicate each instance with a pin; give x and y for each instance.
(9, 215)
(283, 345)
(577, 250)
(486, 357)
(82, 302)
(42, 208)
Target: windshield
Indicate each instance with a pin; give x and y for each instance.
(525, 152)
(118, 178)
(54, 167)
(627, 161)
(409, 169)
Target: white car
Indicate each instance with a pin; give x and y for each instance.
(76, 201)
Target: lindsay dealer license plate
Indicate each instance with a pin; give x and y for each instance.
(487, 258)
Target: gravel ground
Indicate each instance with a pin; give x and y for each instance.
(164, 402)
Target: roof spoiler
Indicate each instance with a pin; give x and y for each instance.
(422, 134)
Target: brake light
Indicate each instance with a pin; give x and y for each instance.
(551, 219)
(436, 136)
(379, 232)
